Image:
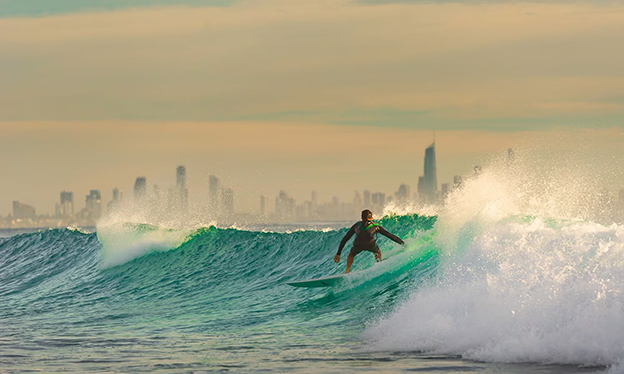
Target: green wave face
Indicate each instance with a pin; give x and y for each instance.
(206, 289)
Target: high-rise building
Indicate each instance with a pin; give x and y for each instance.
(93, 204)
(116, 199)
(66, 208)
(378, 199)
(403, 194)
(444, 189)
(430, 181)
(306, 211)
(140, 189)
(367, 198)
(181, 177)
(421, 187)
(227, 198)
(23, 211)
(213, 193)
(181, 190)
(357, 201)
(284, 206)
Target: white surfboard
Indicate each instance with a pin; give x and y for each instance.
(330, 281)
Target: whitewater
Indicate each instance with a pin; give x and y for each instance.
(514, 274)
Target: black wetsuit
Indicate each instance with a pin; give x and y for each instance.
(365, 237)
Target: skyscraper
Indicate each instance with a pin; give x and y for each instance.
(430, 181)
(140, 189)
(93, 204)
(403, 194)
(116, 199)
(284, 206)
(23, 211)
(116, 195)
(67, 204)
(421, 187)
(227, 197)
(357, 201)
(181, 177)
(367, 198)
(181, 190)
(213, 194)
(444, 190)
(378, 199)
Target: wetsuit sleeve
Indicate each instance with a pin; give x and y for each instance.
(346, 238)
(394, 238)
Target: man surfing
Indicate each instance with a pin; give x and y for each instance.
(364, 231)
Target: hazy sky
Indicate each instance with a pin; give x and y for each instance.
(297, 95)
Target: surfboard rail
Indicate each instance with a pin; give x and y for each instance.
(328, 281)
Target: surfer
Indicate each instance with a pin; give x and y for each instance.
(364, 231)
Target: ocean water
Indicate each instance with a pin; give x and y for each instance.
(523, 295)
(478, 287)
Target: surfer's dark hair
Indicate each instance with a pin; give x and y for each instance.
(365, 214)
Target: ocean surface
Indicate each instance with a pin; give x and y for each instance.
(521, 294)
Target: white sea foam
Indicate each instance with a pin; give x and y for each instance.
(125, 242)
(521, 292)
(129, 234)
(526, 275)
(133, 230)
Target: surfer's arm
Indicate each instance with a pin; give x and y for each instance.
(346, 238)
(394, 238)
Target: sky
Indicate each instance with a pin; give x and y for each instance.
(333, 96)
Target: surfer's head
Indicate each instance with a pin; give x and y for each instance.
(367, 215)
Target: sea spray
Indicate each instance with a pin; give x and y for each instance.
(123, 242)
(521, 292)
(531, 270)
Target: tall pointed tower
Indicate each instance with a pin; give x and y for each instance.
(430, 180)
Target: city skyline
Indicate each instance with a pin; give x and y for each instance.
(196, 181)
(571, 147)
(218, 201)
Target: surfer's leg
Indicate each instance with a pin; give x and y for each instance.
(377, 254)
(349, 262)
(354, 252)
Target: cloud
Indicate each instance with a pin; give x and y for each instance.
(40, 8)
(426, 65)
